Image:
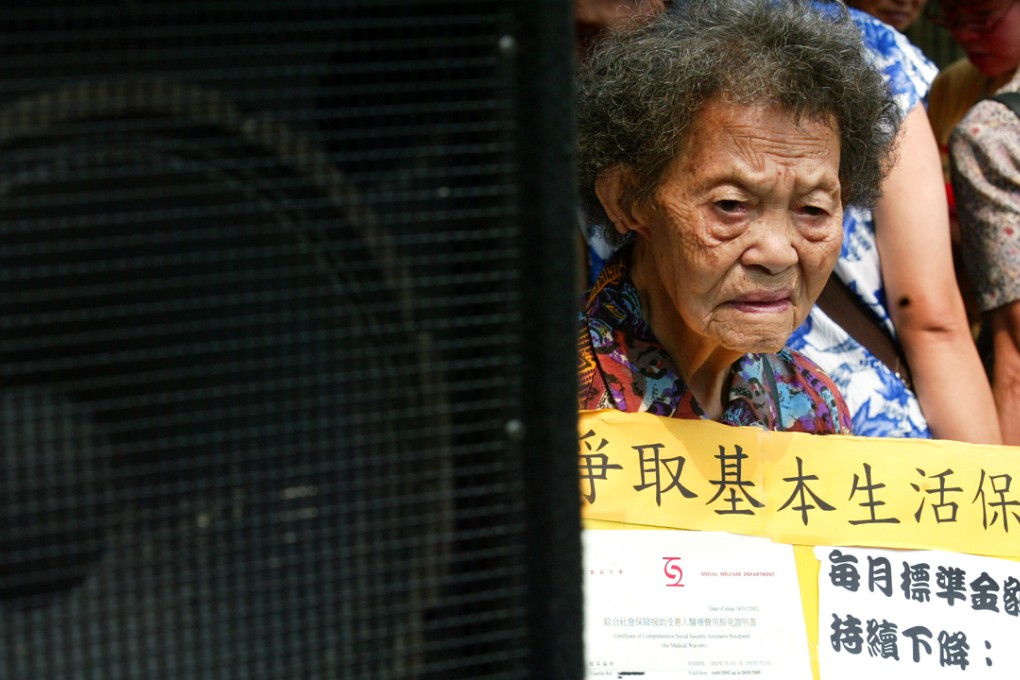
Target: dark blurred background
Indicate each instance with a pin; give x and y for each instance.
(286, 340)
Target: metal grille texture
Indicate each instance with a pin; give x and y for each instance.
(269, 369)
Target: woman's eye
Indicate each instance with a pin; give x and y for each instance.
(814, 211)
(729, 205)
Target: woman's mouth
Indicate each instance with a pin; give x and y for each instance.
(763, 303)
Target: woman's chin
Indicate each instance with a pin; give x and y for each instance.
(760, 346)
(758, 336)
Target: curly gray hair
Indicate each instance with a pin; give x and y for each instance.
(642, 89)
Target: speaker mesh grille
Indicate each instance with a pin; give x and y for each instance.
(262, 322)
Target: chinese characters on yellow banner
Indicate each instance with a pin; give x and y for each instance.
(798, 488)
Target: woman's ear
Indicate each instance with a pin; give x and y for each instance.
(614, 187)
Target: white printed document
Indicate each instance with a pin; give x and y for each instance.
(690, 604)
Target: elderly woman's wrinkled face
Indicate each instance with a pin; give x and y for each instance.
(746, 225)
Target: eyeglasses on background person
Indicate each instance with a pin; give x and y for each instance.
(983, 19)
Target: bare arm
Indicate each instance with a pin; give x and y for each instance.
(1004, 326)
(912, 232)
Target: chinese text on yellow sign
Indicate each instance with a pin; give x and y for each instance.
(799, 488)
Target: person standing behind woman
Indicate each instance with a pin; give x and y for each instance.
(899, 14)
(897, 261)
(985, 154)
(975, 26)
(593, 19)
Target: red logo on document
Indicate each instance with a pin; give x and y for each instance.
(674, 574)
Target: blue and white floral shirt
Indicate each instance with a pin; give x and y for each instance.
(881, 404)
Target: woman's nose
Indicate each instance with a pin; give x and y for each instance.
(772, 247)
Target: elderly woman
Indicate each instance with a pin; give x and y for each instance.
(721, 143)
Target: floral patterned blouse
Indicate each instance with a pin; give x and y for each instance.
(986, 178)
(624, 367)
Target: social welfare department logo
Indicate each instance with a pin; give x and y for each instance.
(674, 573)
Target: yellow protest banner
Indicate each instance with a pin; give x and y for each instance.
(799, 488)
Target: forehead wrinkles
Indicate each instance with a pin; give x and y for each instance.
(756, 128)
(758, 145)
(755, 144)
(746, 157)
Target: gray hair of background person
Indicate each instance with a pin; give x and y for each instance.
(641, 90)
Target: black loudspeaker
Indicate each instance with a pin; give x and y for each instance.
(286, 322)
